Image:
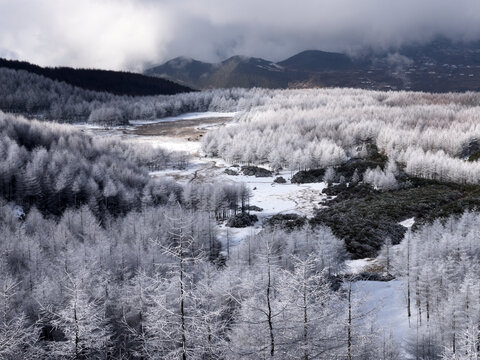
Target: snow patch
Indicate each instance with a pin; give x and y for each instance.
(168, 143)
(187, 116)
(408, 223)
(388, 300)
(358, 266)
(17, 211)
(233, 236)
(273, 198)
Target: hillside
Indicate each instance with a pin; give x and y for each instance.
(314, 60)
(237, 71)
(438, 66)
(115, 82)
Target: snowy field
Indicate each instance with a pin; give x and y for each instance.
(187, 116)
(388, 300)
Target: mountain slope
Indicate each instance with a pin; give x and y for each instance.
(237, 71)
(115, 82)
(182, 69)
(315, 61)
(438, 66)
(240, 71)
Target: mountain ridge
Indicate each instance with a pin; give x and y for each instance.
(438, 66)
(115, 82)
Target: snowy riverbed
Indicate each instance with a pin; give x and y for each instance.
(186, 116)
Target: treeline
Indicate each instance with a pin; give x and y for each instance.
(222, 200)
(37, 96)
(439, 265)
(115, 82)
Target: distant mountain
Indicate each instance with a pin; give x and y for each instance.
(317, 61)
(115, 82)
(237, 71)
(438, 66)
(182, 69)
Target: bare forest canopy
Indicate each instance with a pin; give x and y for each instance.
(430, 135)
(100, 260)
(54, 167)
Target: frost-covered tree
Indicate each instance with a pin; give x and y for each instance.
(440, 265)
(329, 176)
(82, 322)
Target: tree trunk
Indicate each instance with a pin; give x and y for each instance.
(269, 315)
(182, 300)
(305, 314)
(349, 323)
(409, 313)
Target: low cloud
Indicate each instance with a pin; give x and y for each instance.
(127, 34)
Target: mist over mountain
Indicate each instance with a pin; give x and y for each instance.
(139, 32)
(437, 66)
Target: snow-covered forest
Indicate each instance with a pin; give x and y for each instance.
(430, 134)
(37, 96)
(440, 266)
(306, 129)
(105, 256)
(86, 280)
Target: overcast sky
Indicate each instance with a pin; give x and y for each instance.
(127, 34)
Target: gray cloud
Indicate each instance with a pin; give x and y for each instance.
(125, 34)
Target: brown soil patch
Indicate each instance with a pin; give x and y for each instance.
(188, 129)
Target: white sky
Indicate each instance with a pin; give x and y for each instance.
(127, 34)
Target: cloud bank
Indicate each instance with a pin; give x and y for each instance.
(127, 34)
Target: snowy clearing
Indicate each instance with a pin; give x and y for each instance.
(387, 299)
(187, 116)
(168, 143)
(273, 198)
(358, 266)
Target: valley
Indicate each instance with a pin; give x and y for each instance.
(384, 301)
(351, 214)
(221, 180)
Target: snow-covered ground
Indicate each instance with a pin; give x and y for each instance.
(388, 300)
(187, 116)
(169, 143)
(273, 198)
(358, 266)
